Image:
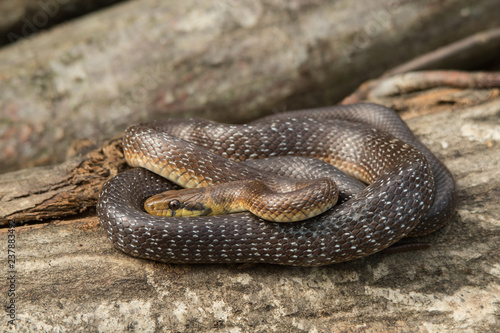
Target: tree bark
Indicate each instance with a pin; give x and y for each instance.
(226, 60)
(68, 277)
(61, 190)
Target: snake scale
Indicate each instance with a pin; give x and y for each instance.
(409, 193)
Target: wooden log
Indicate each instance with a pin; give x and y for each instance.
(60, 190)
(68, 277)
(226, 60)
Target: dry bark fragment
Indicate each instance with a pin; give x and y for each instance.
(60, 190)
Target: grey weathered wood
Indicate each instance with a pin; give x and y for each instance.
(70, 278)
(223, 59)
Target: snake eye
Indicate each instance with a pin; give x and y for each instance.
(174, 204)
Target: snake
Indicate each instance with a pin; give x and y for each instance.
(405, 191)
(296, 201)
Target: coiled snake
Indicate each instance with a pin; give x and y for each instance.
(410, 191)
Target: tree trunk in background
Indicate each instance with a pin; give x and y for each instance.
(225, 60)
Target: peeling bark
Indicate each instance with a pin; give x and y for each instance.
(60, 190)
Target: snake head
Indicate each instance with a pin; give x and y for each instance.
(185, 203)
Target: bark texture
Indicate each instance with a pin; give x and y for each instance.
(56, 191)
(70, 278)
(226, 60)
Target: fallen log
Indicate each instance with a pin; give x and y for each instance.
(68, 277)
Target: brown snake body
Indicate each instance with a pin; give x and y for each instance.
(409, 193)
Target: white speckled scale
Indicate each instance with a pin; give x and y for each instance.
(367, 141)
